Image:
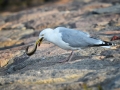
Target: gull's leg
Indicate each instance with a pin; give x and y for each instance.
(68, 58)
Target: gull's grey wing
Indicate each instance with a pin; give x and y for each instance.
(77, 38)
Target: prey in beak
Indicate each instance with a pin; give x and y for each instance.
(38, 42)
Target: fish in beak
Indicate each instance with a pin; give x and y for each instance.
(38, 42)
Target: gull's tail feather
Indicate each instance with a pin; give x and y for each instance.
(105, 44)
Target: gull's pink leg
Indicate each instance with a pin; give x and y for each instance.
(68, 58)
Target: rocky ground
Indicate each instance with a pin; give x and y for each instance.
(93, 68)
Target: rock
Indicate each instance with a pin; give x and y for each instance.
(111, 32)
(95, 5)
(98, 57)
(5, 57)
(90, 68)
(107, 10)
(3, 62)
(6, 44)
(2, 27)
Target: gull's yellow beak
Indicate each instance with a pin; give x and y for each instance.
(38, 42)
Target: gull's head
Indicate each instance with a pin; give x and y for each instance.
(44, 33)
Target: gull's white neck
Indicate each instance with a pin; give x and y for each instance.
(50, 36)
(53, 36)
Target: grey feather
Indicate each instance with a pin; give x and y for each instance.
(77, 38)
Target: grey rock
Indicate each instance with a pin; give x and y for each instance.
(108, 10)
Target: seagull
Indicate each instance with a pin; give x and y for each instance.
(68, 39)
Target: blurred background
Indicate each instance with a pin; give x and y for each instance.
(21, 21)
(15, 5)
